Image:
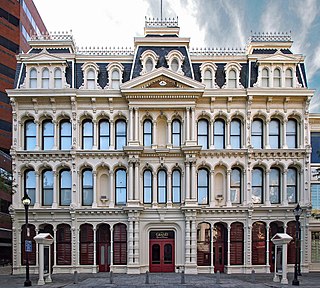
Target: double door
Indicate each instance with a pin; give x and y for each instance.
(161, 255)
(104, 257)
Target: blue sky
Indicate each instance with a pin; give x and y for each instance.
(209, 23)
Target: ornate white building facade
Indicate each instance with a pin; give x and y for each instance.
(161, 158)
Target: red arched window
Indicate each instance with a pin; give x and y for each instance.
(120, 244)
(31, 233)
(259, 243)
(291, 230)
(86, 244)
(236, 244)
(63, 244)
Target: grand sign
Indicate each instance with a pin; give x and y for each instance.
(161, 235)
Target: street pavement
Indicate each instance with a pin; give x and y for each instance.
(158, 280)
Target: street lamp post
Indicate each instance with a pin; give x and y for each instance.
(297, 212)
(26, 202)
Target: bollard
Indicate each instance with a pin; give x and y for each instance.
(253, 275)
(111, 277)
(75, 277)
(147, 277)
(218, 277)
(183, 280)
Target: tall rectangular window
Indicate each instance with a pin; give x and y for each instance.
(315, 196)
(65, 135)
(257, 134)
(315, 144)
(104, 135)
(203, 133)
(147, 133)
(315, 246)
(121, 134)
(176, 133)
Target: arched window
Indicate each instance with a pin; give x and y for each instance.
(91, 79)
(232, 79)
(87, 187)
(147, 133)
(219, 134)
(86, 244)
(57, 78)
(65, 135)
(292, 185)
(276, 78)
(235, 186)
(257, 186)
(176, 133)
(30, 185)
(236, 244)
(149, 65)
(65, 182)
(120, 244)
(104, 134)
(87, 134)
(259, 243)
(257, 134)
(203, 244)
(162, 186)
(33, 78)
(289, 78)
(291, 134)
(147, 187)
(174, 64)
(203, 133)
(274, 133)
(121, 187)
(47, 135)
(121, 134)
(203, 186)
(47, 187)
(274, 186)
(115, 79)
(45, 78)
(30, 132)
(176, 186)
(235, 134)
(207, 78)
(265, 77)
(64, 244)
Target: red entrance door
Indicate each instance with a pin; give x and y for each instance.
(161, 255)
(103, 248)
(219, 248)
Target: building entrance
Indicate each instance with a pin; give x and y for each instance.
(103, 248)
(161, 251)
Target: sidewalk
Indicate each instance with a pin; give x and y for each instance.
(159, 280)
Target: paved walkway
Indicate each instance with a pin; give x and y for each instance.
(159, 280)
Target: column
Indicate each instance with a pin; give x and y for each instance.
(228, 244)
(111, 190)
(284, 187)
(111, 247)
(169, 134)
(74, 184)
(136, 182)
(130, 188)
(55, 188)
(154, 134)
(228, 187)
(136, 242)
(302, 191)
(227, 134)
(267, 199)
(193, 124)
(244, 189)
(38, 137)
(193, 180)
(188, 124)
(56, 136)
(169, 202)
(211, 123)
(95, 135)
(37, 194)
(211, 249)
(187, 252)
(284, 128)
(267, 242)
(94, 246)
(130, 240)
(187, 188)
(111, 134)
(94, 203)
(54, 246)
(130, 124)
(212, 199)
(136, 124)
(266, 136)
(193, 242)
(154, 189)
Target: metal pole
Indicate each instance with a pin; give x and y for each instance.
(27, 283)
(295, 281)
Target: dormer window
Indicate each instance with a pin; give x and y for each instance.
(208, 72)
(33, 78)
(115, 72)
(149, 60)
(175, 60)
(90, 72)
(57, 78)
(289, 78)
(276, 78)
(45, 78)
(232, 71)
